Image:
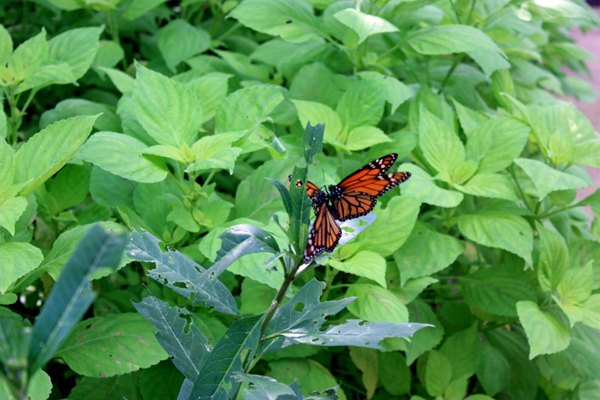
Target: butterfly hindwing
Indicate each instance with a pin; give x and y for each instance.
(324, 235)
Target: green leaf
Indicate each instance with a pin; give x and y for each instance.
(48, 150)
(210, 89)
(366, 361)
(545, 333)
(256, 297)
(3, 126)
(493, 371)
(496, 290)
(293, 20)
(161, 381)
(438, 373)
(389, 232)
(547, 179)
(362, 104)
(264, 387)
(28, 57)
(109, 120)
(183, 341)
(39, 387)
(376, 304)
(455, 38)
(167, 110)
(422, 187)
(215, 152)
(178, 41)
(181, 274)
(500, 230)
(396, 91)
(123, 81)
(121, 155)
(116, 387)
(10, 211)
(365, 263)
(6, 45)
(216, 377)
(256, 197)
(70, 186)
(441, 146)
(490, 185)
(137, 8)
(425, 339)
(365, 136)
(314, 82)
(246, 108)
(363, 24)
(108, 55)
(554, 259)
(574, 289)
(113, 345)
(317, 113)
(463, 351)
(591, 311)
(46, 75)
(110, 190)
(469, 120)
(308, 374)
(17, 260)
(72, 294)
(426, 252)
(394, 375)
(76, 47)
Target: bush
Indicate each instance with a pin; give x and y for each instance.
(166, 119)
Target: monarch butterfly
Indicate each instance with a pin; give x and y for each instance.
(355, 196)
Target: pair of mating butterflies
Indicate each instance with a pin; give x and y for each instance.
(355, 196)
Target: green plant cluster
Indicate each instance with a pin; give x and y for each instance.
(180, 122)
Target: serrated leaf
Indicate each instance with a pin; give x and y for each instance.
(123, 81)
(441, 146)
(180, 273)
(499, 229)
(216, 377)
(264, 387)
(48, 150)
(363, 24)
(184, 342)
(317, 113)
(547, 179)
(28, 56)
(553, 261)
(293, 20)
(17, 259)
(6, 45)
(46, 75)
(388, 233)
(396, 91)
(362, 104)
(425, 252)
(438, 373)
(365, 263)
(10, 211)
(376, 304)
(108, 55)
(496, 143)
(575, 287)
(425, 339)
(496, 290)
(493, 371)
(121, 155)
(490, 185)
(167, 110)
(365, 136)
(76, 47)
(72, 294)
(421, 186)
(178, 41)
(210, 89)
(545, 333)
(113, 345)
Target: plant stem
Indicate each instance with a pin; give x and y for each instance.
(229, 31)
(457, 61)
(396, 46)
(15, 118)
(279, 298)
(511, 171)
(468, 20)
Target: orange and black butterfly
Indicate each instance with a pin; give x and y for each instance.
(355, 196)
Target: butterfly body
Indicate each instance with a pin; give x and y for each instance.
(355, 196)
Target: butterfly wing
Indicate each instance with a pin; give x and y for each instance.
(324, 235)
(355, 195)
(311, 188)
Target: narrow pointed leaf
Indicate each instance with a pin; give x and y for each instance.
(181, 274)
(72, 294)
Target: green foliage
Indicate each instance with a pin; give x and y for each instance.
(181, 122)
